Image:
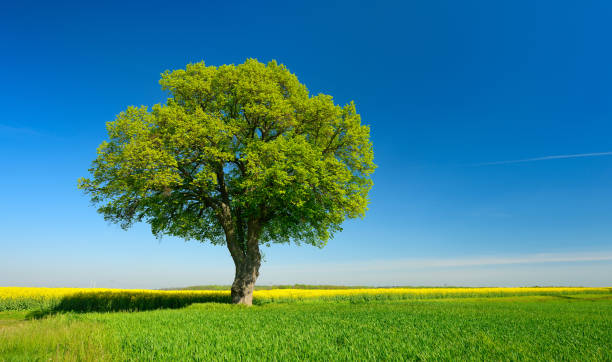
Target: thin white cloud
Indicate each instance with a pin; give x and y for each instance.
(560, 269)
(8, 130)
(554, 157)
(486, 261)
(394, 264)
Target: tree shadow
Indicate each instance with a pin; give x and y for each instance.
(126, 301)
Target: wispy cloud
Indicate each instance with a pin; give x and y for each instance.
(23, 131)
(373, 265)
(570, 269)
(545, 158)
(502, 260)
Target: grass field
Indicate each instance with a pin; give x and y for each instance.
(567, 325)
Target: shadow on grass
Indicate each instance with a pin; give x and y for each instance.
(125, 301)
(592, 298)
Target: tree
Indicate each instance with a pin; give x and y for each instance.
(239, 155)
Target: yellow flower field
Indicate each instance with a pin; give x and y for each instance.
(416, 293)
(100, 299)
(32, 292)
(28, 292)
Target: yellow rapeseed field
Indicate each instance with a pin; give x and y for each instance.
(29, 292)
(32, 292)
(419, 292)
(35, 293)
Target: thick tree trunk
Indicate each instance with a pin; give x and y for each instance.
(243, 245)
(247, 267)
(244, 282)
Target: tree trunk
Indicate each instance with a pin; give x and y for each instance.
(244, 282)
(247, 268)
(247, 258)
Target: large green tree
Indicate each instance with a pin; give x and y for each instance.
(239, 155)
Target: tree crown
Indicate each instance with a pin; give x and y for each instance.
(243, 144)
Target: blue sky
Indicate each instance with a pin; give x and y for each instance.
(451, 90)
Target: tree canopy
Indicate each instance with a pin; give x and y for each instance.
(237, 153)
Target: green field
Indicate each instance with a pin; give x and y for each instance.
(568, 327)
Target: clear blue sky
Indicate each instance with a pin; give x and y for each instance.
(449, 89)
